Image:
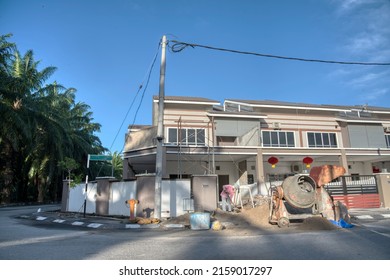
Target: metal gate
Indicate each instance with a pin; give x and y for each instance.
(356, 191)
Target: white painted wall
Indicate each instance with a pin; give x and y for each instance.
(77, 196)
(173, 193)
(228, 168)
(120, 192)
(186, 167)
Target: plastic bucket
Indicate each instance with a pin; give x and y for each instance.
(200, 221)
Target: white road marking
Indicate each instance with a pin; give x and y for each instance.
(174, 226)
(377, 232)
(34, 240)
(41, 218)
(94, 225)
(364, 217)
(133, 226)
(77, 223)
(59, 221)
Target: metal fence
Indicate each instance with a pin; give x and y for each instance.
(355, 191)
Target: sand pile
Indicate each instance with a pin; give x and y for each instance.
(255, 217)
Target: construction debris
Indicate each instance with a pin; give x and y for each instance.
(302, 196)
(146, 221)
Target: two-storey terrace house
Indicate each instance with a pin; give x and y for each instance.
(235, 139)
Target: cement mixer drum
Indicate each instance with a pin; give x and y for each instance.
(299, 191)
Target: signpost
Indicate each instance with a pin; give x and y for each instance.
(94, 158)
(99, 157)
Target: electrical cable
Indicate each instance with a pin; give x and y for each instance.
(124, 119)
(143, 93)
(132, 103)
(136, 95)
(142, 97)
(178, 46)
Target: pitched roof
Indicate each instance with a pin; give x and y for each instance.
(251, 115)
(307, 105)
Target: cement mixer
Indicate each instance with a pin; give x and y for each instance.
(303, 195)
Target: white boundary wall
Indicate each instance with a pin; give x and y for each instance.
(77, 196)
(119, 193)
(172, 195)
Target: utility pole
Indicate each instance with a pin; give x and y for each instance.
(160, 134)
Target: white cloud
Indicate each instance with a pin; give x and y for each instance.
(365, 24)
(365, 27)
(348, 5)
(366, 42)
(339, 73)
(369, 79)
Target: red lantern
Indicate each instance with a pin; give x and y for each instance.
(307, 161)
(273, 161)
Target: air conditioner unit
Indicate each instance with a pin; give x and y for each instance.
(387, 129)
(296, 168)
(276, 125)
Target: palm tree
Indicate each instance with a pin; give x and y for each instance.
(38, 149)
(117, 162)
(7, 130)
(41, 126)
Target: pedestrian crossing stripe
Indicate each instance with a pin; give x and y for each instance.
(364, 217)
(58, 221)
(94, 225)
(77, 223)
(368, 217)
(41, 218)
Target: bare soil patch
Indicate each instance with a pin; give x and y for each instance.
(254, 218)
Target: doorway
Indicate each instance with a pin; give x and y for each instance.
(222, 180)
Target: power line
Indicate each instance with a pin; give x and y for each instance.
(178, 46)
(136, 95)
(143, 92)
(127, 113)
(132, 103)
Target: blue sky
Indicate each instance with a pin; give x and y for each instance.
(105, 49)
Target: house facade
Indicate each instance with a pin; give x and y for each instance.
(258, 141)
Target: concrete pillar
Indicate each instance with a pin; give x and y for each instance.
(259, 169)
(243, 172)
(383, 181)
(103, 195)
(343, 161)
(164, 162)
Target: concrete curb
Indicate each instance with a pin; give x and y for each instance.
(95, 222)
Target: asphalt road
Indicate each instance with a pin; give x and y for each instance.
(25, 239)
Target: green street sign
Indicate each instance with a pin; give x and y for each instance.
(99, 157)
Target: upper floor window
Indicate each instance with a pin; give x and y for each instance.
(187, 136)
(278, 139)
(322, 140)
(387, 140)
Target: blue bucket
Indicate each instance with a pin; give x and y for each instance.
(200, 221)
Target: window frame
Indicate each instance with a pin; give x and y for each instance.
(196, 135)
(324, 139)
(387, 137)
(275, 136)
